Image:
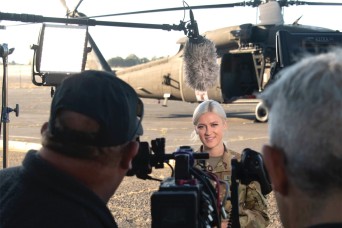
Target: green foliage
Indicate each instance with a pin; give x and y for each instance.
(116, 62)
(130, 60)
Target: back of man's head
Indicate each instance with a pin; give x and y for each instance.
(305, 121)
(98, 96)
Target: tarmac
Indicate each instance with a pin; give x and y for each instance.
(20, 146)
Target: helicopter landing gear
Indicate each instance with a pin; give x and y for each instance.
(166, 98)
(261, 112)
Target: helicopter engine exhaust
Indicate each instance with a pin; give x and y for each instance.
(200, 60)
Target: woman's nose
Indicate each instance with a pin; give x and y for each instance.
(208, 130)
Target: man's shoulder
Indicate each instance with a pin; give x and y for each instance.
(10, 180)
(11, 175)
(63, 217)
(54, 210)
(7, 173)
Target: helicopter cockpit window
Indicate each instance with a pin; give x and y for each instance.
(293, 46)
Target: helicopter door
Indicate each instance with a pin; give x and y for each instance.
(238, 76)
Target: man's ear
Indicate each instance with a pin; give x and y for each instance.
(130, 151)
(274, 160)
(44, 127)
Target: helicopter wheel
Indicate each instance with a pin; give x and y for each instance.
(261, 112)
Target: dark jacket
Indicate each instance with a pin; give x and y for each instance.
(38, 195)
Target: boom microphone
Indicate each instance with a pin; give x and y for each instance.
(201, 68)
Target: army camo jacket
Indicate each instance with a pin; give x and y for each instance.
(252, 204)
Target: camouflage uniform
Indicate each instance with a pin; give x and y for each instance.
(252, 204)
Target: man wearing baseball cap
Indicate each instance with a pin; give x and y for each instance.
(87, 148)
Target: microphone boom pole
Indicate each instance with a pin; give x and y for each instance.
(31, 18)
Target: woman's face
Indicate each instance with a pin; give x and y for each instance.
(210, 129)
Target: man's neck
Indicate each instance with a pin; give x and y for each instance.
(330, 211)
(92, 174)
(307, 212)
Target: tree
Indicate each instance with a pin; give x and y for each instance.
(116, 62)
(144, 60)
(132, 60)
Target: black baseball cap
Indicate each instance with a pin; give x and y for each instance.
(103, 97)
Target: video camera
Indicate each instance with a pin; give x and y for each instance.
(188, 198)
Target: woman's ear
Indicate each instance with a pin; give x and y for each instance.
(275, 164)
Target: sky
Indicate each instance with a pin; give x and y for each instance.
(120, 41)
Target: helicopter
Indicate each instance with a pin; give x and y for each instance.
(246, 54)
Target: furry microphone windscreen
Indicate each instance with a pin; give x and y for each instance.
(201, 68)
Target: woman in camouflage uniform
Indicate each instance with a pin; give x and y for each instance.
(209, 119)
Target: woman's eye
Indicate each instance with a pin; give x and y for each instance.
(200, 127)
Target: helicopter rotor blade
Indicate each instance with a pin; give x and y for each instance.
(254, 3)
(71, 12)
(216, 6)
(65, 5)
(283, 3)
(322, 3)
(79, 3)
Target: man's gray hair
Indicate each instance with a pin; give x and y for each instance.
(305, 121)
